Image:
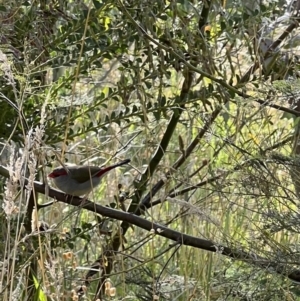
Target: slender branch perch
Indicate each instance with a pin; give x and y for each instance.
(163, 231)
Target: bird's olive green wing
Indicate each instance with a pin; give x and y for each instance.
(83, 173)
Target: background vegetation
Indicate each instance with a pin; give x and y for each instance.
(203, 97)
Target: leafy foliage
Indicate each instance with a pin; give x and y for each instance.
(203, 97)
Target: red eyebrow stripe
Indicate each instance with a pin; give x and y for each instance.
(57, 173)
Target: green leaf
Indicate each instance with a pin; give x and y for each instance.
(40, 295)
(97, 4)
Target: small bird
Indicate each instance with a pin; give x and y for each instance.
(80, 180)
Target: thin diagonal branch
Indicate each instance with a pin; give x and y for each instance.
(163, 231)
(145, 202)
